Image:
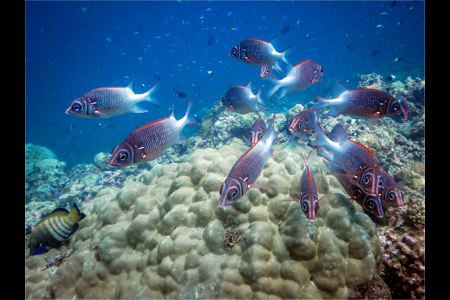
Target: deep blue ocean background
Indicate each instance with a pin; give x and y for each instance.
(73, 47)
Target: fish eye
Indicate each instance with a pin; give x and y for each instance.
(305, 208)
(123, 156)
(381, 182)
(76, 107)
(371, 204)
(259, 135)
(396, 106)
(391, 196)
(367, 179)
(233, 194)
(233, 50)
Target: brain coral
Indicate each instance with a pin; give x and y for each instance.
(164, 237)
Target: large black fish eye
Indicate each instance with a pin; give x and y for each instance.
(381, 183)
(305, 208)
(233, 194)
(223, 100)
(233, 50)
(123, 156)
(371, 204)
(391, 196)
(76, 107)
(396, 106)
(367, 179)
(259, 135)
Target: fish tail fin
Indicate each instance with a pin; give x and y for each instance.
(272, 79)
(75, 215)
(187, 119)
(323, 102)
(283, 93)
(283, 55)
(322, 139)
(146, 96)
(259, 99)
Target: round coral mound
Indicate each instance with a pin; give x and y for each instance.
(167, 237)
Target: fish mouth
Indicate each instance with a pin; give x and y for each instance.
(68, 112)
(229, 53)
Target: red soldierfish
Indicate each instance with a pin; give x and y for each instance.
(390, 191)
(368, 104)
(106, 102)
(303, 124)
(299, 77)
(258, 53)
(246, 170)
(357, 161)
(241, 99)
(308, 195)
(150, 141)
(265, 71)
(257, 131)
(370, 203)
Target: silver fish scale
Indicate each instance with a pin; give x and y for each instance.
(304, 74)
(110, 101)
(259, 52)
(155, 137)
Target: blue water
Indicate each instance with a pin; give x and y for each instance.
(73, 47)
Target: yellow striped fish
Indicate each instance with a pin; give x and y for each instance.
(54, 228)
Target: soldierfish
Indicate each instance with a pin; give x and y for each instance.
(246, 170)
(54, 228)
(106, 102)
(299, 77)
(369, 202)
(303, 124)
(258, 53)
(390, 191)
(241, 99)
(368, 104)
(355, 159)
(150, 141)
(258, 129)
(265, 71)
(309, 199)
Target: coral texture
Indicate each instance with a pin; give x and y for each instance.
(164, 237)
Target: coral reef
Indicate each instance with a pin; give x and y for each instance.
(164, 237)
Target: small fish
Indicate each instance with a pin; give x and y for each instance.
(383, 13)
(54, 228)
(210, 40)
(246, 170)
(369, 202)
(370, 104)
(393, 3)
(349, 47)
(241, 99)
(309, 199)
(299, 77)
(265, 71)
(398, 59)
(181, 95)
(375, 52)
(258, 129)
(107, 102)
(151, 140)
(390, 191)
(303, 124)
(380, 26)
(390, 77)
(211, 73)
(285, 29)
(257, 52)
(357, 161)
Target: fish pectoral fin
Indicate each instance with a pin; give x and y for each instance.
(259, 185)
(248, 59)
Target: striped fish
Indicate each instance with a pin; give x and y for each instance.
(54, 228)
(246, 170)
(265, 71)
(106, 102)
(150, 141)
(303, 124)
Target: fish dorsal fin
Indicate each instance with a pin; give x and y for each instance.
(130, 86)
(338, 88)
(302, 62)
(273, 39)
(249, 86)
(306, 162)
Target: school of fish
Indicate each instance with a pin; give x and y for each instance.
(354, 165)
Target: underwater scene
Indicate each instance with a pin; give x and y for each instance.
(224, 149)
